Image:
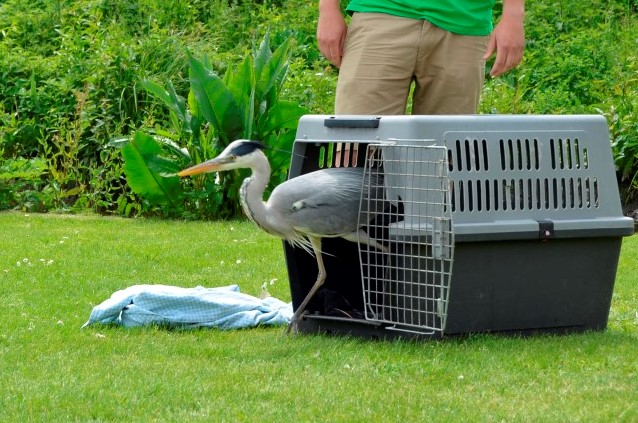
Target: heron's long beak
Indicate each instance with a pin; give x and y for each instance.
(208, 166)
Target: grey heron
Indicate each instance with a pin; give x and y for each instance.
(301, 210)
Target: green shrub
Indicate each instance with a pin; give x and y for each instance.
(22, 186)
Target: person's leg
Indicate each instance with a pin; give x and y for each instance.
(450, 73)
(378, 64)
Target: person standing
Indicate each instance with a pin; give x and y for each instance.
(440, 46)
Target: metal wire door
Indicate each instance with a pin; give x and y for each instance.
(408, 285)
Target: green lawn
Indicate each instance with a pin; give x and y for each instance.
(54, 269)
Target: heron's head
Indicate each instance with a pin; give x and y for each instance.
(238, 154)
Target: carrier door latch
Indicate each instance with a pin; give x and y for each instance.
(545, 229)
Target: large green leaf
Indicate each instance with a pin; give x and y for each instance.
(169, 97)
(283, 115)
(262, 53)
(273, 72)
(262, 56)
(145, 168)
(163, 138)
(216, 102)
(194, 116)
(240, 79)
(241, 83)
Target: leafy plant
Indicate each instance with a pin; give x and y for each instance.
(244, 103)
(22, 185)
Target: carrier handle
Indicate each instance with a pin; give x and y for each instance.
(352, 122)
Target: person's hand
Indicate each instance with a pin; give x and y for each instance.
(508, 41)
(331, 31)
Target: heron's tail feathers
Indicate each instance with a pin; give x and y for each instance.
(302, 242)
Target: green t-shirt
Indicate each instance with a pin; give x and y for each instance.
(465, 17)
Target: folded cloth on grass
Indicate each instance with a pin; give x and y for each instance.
(175, 307)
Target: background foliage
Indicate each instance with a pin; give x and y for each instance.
(71, 75)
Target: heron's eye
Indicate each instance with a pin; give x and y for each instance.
(232, 157)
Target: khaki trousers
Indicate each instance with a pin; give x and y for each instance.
(384, 54)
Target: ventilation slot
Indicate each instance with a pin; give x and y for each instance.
(468, 155)
(514, 195)
(566, 153)
(519, 154)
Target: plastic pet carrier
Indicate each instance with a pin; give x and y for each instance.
(494, 224)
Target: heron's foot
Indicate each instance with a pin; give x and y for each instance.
(292, 326)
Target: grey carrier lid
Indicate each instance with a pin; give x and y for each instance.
(509, 176)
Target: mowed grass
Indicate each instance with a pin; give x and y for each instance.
(54, 269)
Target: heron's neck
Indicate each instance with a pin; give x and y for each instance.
(252, 192)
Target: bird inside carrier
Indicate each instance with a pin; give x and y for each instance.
(407, 287)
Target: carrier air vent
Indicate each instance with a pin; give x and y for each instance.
(468, 155)
(567, 154)
(519, 154)
(524, 194)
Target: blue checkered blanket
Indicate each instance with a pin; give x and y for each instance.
(175, 307)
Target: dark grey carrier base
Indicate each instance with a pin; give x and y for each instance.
(558, 284)
(510, 287)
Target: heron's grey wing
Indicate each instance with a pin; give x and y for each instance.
(325, 202)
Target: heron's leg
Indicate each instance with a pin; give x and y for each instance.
(321, 277)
